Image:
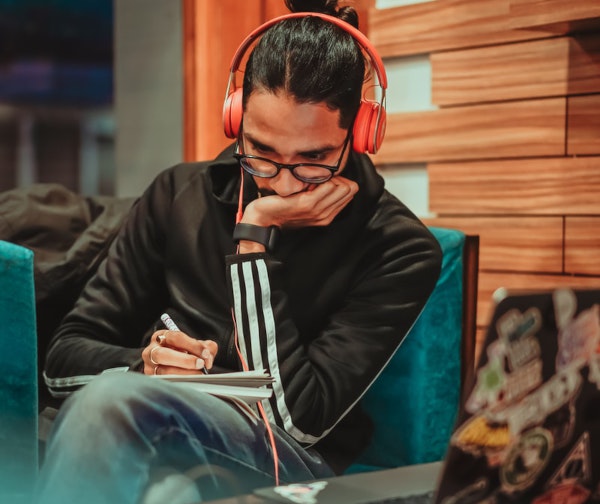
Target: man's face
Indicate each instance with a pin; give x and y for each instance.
(285, 131)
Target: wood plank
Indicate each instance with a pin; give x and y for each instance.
(442, 25)
(557, 15)
(527, 244)
(584, 63)
(583, 126)
(537, 69)
(490, 281)
(510, 129)
(582, 245)
(553, 186)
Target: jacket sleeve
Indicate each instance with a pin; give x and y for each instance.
(106, 327)
(319, 381)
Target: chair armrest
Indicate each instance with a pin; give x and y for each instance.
(18, 374)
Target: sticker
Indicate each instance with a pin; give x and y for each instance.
(513, 325)
(523, 351)
(576, 467)
(477, 435)
(561, 424)
(518, 332)
(496, 389)
(578, 340)
(533, 409)
(526, 459)
(565, 305)
(489, 388)
(571, 493)
(594, 374)
(523, 381)
(301, 493)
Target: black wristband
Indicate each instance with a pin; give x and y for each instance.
(266, 236)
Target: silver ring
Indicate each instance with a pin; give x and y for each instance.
(152, 358)
(161, 337)
(156, 370)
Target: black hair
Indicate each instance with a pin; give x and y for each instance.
(311, 59)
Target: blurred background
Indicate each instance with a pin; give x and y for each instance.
(57, 119)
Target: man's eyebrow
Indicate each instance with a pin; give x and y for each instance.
(312, 152)
(259, 144)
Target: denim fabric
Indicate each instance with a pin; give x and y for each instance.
(112, 435)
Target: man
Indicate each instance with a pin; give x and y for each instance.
(305, 266)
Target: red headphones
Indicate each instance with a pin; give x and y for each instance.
(369, 124)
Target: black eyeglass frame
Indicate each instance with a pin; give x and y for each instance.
(278, 166)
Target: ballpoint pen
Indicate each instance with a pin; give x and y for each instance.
(172, 326)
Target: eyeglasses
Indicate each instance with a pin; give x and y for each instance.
(311, 173)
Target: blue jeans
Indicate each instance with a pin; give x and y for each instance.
(111, 437)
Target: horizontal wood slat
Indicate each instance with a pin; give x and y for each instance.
(443, 24)
(554, 13)
(550, 186)
(582, 245)
(584, 63)
(490, 281)
(583, 126)
(511, 129)
(542, 68)
(513, 243)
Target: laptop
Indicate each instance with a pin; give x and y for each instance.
(528, 432)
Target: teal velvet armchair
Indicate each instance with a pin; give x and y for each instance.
(414, 401)
(18, 375)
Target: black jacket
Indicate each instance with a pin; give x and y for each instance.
(323, 313)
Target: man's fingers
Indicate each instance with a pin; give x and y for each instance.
(169, 370)
(169, 357)
(181, 341)
(178, 351)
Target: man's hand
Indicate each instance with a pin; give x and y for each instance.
(174, 352)
(317, 206)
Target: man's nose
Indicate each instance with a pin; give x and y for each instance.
(285, 184)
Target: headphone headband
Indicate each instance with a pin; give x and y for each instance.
(369, 123)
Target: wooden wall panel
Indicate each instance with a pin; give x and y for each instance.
(513, 243)
(542, 68)
(509, 129)
(443, 24)
(490, 281)
(524, 186)
(583, 125)
(584, 63)
(561, 14)
(582, 245)
(514, 153)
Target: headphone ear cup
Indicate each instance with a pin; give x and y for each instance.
(232, 114)
(366, 126)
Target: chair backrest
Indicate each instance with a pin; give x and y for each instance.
(414, 402)
(18, 375)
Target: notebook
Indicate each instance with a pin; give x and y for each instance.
(529, 430)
